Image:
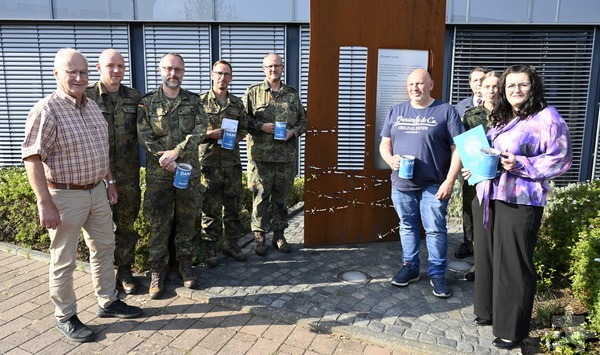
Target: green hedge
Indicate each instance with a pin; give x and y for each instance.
(585, 270)
(19, 220)
(567, 214)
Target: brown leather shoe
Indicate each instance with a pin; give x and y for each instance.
(280, 243)
(260, 248)
(126, 280)
(187, 273)
(157, 283)
(233, 250)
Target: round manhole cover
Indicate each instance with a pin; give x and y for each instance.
(354, 277)
(459, 266)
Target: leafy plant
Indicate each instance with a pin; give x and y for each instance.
(566, 215)
(585, 268)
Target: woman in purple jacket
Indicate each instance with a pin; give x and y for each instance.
(535, 145)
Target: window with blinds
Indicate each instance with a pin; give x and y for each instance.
(191, 42)
(351, 107)
(562, 55)
(245, 48)
(27, 54)
(303, 89)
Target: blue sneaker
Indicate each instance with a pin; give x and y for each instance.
(440, 289)
(405, 276)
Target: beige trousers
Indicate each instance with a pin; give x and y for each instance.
(88, 210)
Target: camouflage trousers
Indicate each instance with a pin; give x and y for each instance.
(221, 210)
(469, 193)
(166, 209)
(271, 185)
(124, 213)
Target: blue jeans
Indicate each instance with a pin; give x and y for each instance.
(413, 207)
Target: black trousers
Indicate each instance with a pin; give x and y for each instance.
(506, 277)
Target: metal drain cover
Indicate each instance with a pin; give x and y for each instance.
(354, 277)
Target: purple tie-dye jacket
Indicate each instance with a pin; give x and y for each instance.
(542, 146)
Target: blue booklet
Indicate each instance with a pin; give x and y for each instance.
(469, 145)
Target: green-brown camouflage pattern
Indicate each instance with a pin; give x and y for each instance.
(473, 117)
(121, 117)
(271, 185)
(211, 153)
(263, 106)
(221, 211)
(164, 124)
(166, 206)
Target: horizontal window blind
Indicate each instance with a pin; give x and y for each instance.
(351, 107)
(27, 54)
(245, 48)
(191, 42)
(562, 56)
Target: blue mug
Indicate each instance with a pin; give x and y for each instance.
(228, 141)
(488, 162)
(407, 166)
(280, 130)
(182, 175)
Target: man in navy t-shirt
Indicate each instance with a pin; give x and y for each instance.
(424, 128)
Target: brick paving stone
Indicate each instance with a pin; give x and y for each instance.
(41, 341)
(216, 339)
(240, 343)
(278, 332)
(323, 344)
(154, 344)
(300, 337)
(264, 346)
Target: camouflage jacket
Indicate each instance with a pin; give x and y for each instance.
(121, 117)
(164, 124)
(474, 116)
(211, 153)
(263, 106)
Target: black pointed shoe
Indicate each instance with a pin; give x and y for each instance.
(505, 344)
(482, 322)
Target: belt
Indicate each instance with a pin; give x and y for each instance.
(57, 185)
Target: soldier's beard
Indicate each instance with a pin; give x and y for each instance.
(172, 84)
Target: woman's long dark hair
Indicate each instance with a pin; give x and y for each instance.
(503, 111)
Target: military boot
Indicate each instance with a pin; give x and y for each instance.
(187, 273)
(260, 248)
(212, 259)
(157, 282)
(233, 250)
(280, 243)
(125, 279)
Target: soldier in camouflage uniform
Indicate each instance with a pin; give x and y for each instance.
(171, 125)
(221, 168)
(473, 117)
(271, 162)
(118, 104)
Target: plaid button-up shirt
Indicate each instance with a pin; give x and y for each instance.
(72, 141)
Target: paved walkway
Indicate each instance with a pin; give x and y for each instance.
(278, 304)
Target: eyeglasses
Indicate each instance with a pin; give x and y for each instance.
(220, 73)
(176, 70)
(73, 73)
(520, 86)
(273, 66)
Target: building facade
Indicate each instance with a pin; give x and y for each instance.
(556, 36)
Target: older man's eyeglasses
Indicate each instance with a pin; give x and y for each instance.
(176, 70)
(520, 86)
(273, 66)
(223, 74)
(73, 73)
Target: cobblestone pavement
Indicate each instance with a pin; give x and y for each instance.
(278, 304)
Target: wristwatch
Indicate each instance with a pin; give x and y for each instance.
(111, 182)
